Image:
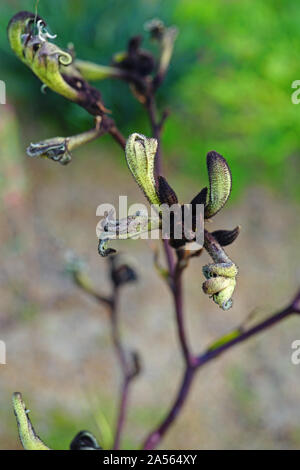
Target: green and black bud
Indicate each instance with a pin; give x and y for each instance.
(85, 440)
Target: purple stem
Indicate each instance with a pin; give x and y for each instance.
(178, 301)
(122, 412)
(155, 436)
(127, 372)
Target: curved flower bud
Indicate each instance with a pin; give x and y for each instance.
(58, 148)
(221, 290)
(215, 284)
(228, 270)
(29, 439)
(219, 183)
(223, 297)
(29, 39)
(220, 275)
(140, 156)
(19, 30)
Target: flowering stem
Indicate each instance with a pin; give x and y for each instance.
(194, 363)
(175, 275)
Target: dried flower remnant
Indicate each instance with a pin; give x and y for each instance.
(221, 275)
(121, 270)
(59, 149)
(135, 66)
(166, 37)
(136, 61)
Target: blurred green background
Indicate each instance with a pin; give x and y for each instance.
(228, 89)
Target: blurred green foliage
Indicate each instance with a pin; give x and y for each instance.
(229, 86)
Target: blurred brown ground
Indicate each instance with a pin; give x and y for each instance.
(58, 346)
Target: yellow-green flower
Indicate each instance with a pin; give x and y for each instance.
(140, 155)
(30, 41)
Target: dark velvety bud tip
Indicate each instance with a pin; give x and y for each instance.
(200, 198)
(121, 273)
(226, 237)
(165, 193)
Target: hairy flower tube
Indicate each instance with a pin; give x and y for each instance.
(140, 156)
(30, 41)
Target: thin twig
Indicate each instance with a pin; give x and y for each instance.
(128, 365)
(109, 126)
(128, 370)
(118, 136)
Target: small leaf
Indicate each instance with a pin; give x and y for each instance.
(225, 339)
(219, 183)
(166, 194)
(140, 155)
(226, 237)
